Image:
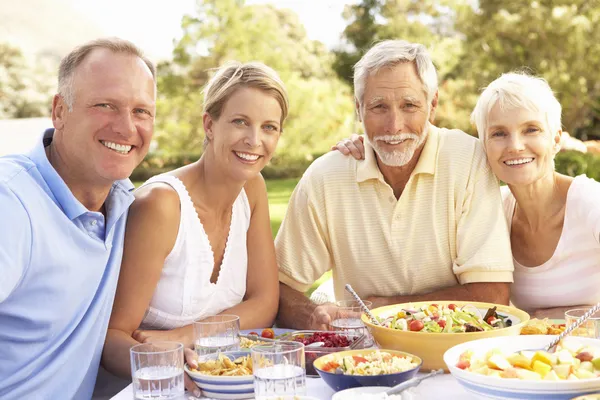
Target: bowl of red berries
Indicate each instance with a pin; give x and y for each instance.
(319, 343)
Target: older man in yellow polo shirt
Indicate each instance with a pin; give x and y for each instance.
(418, 219)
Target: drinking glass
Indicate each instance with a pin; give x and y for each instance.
(279, 370)
(590, 328)
(347, 319)
(216, 334)
(157, 370)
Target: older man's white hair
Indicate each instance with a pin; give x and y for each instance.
(390, 53)
(517, 90)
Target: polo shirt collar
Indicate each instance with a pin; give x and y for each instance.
(63, 196)
(368, 169)
(428, 158)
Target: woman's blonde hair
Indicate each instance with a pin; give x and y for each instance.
(234, 75)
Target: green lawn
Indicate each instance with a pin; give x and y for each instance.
(279, 192)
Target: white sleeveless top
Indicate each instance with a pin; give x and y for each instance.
(184, 292)
(571, 276)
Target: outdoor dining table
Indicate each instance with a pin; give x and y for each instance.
(438, 387)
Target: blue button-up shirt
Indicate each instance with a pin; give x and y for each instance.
(59, 264)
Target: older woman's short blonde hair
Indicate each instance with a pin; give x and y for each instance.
(390, 53)
(234, 75)
(517, 90)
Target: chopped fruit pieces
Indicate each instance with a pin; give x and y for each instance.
(541, 368)
(585, 356)
(570, 362)
(544, 357)
(519, 360)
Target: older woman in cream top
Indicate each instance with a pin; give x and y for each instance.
(553, 219)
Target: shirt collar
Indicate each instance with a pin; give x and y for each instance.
(368, 169)
(63, 196)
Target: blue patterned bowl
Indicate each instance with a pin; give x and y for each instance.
(340, 381)
(225, 387)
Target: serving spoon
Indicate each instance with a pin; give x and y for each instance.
(412, 382)
(551, 347)
(363, 306)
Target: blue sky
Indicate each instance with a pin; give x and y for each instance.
(156, 25)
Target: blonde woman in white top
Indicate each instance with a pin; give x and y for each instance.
(553, 219)
(198, 239)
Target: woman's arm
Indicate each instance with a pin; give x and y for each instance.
(260, 303)
(152, 228)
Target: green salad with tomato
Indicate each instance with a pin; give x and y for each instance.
(449, 318)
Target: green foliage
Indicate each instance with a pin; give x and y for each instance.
(280, 167)
(24, 92)
(279, 191)
(556, 39)
(574, 163)
(321, 104)
(429, 22)
(472, 43)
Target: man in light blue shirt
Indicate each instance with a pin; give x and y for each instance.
(63, 209)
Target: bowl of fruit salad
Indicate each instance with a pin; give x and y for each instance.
(332, 342)
(503, 368)
(366, 367)
(428, 329)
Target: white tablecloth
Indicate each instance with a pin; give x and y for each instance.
(438, 387)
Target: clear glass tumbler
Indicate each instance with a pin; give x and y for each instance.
(157, 370)
(347, 319)
(279, 370)
(590, 328)
(216, 334)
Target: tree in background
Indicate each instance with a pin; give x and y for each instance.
(556, 39)
(473, 42)
(321, 106)
(429, 22)
(24, 92)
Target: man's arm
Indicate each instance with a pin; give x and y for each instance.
(302, 256)
(295, 308)
(488, 292)
(15, 241)
(296, 311)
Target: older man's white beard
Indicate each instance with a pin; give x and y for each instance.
(398, 158)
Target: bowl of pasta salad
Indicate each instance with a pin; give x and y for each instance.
(366, 367)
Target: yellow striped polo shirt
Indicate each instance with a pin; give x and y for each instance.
(446, 228)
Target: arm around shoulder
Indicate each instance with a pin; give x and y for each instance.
(15, 241)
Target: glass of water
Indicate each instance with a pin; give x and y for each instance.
(347, 319)
(157, 370)
(590, 328)
(216, 334)
(279, 370)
